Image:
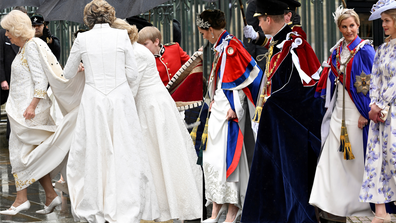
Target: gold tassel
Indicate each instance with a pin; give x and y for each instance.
(193, 133)
(204, 136)
(259, 108)
(345, 145)
(257, 114)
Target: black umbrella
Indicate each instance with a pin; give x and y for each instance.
(73, 10)
(12, 3)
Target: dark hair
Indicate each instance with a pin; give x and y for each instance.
(215, 18)
(292, 12)
(20, 8)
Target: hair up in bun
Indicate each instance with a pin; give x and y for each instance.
(214, 18)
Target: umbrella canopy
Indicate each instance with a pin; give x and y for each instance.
(12, 3)
(73, 10)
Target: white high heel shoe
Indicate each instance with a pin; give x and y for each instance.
(50, 208)
(15, 210)
(236, 216)
(214, 220)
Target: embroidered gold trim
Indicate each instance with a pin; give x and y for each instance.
(39, 93)
(21, 184)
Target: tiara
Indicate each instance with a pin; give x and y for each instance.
(341, 11)
(380, 4)
(202, 24)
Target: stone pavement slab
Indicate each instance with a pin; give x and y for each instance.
(63, 214)
(367, 219)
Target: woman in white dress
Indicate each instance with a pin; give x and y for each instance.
(28, 109)
(108, 170)
(171, 151)
(224, 160)
(338, 175)
(379, 182)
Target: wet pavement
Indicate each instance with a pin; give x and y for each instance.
(36, 195)
(63, 214)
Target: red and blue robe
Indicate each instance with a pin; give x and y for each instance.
(362, 62)
(239, 72)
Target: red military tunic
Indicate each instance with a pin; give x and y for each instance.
(169, 61)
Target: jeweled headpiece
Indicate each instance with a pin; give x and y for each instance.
(202, 24)
(380, 7)
(339, 12)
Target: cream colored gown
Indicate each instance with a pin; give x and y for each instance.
(337, 181)
(108, 171)
(172, 157)
(37, 147)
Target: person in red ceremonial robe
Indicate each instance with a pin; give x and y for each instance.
(233, 84)
(169, 57)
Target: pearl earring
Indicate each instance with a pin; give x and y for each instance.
(212, 36)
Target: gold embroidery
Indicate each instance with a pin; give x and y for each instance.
(362, 83)
(22, 184)
(39, 93)
(23, 59)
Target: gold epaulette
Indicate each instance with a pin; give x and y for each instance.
(170, 44)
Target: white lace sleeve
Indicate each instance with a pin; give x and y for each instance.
(39, 79)
(71, 67)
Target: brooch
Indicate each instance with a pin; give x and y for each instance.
(362, 83)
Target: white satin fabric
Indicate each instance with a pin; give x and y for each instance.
(108, 170)
(38, 147)
(217, 188)
(172, 157)
(337, 181)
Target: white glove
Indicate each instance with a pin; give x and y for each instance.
(249, 32)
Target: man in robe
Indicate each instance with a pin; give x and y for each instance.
(289, 117)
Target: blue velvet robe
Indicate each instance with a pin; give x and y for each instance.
(286, 151)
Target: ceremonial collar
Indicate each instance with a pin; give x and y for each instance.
(352, 45)
(161, 51)
(223, 35)
(282, 33)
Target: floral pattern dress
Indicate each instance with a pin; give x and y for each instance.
(379, 182)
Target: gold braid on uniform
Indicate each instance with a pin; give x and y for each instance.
(345, 144)
(268, 72)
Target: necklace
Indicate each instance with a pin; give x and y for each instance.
(352, 54)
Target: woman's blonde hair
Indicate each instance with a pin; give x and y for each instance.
(98, 11)
(348, 14)
(392, 14)
(18, 24)
(149, 32)
(132, 30)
